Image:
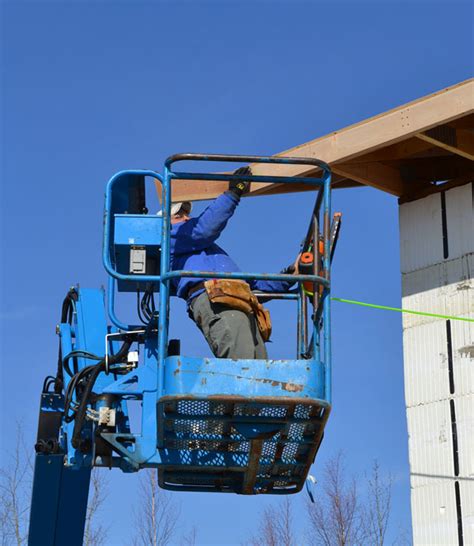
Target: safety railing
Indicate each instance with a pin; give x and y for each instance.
(321, 302)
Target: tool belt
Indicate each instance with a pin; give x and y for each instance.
(236, 294)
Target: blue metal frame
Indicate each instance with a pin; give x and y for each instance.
(158, 378)
(245, 426)
(165, 274)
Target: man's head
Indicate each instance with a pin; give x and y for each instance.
(179, 212)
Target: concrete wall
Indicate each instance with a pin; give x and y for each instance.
(437, 264)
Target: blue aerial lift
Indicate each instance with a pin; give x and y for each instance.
(207, 424)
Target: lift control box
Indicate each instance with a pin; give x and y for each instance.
(137, 247)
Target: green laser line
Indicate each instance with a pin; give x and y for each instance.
(411, 312)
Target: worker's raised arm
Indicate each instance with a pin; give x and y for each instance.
(198, 233)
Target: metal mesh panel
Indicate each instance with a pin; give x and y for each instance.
(202, 435)
(198, 427)
(273, 411)
(296, 431)
(240, 446)
(246, 410)
(289, 453)
(193, 407)
(302, 412)
(269, 449)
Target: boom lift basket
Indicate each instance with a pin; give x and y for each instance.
(244, 426)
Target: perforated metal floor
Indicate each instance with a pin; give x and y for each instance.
(237, 445)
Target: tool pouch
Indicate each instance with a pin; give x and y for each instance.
(236, 294)
(264, 321)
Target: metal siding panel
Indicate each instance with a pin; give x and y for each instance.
(460, 220)
(425, 343)
(433, 284)
(421, 233)
(439, 275)
(426, 363)
(421, 228)
(445, 288)
(463, 355)
(467, 505)
(434, 514)
(430, 443)
(465, 431)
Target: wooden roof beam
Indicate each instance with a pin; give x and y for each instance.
(373, 174)
(345, 146)
(400, 150)
(455, 141)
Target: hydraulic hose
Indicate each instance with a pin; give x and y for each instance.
(67, 311)
(96, 370)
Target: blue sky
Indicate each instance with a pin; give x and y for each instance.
(90, 88)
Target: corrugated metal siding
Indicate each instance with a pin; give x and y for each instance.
(421, 233)
(434, 515)
(460, 220)
(437, 277)
(425, 344)
(426, 378)
(421, 228)
(463, 357)
(467, 495)
(430, 444)
(465, 430)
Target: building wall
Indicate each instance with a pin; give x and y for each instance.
(437, 264)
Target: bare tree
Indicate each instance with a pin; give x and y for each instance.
(378, 506)
(157, 515)
(341, 516)
(190, 538)
(15, 488)
(346, 512)
(336, 517)
(276, 526)
(95, 534)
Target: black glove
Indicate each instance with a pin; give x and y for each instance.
(239, 187)
(289, 270)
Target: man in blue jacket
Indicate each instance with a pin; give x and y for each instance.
(230, 333)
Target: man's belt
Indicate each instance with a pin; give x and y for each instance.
(195, 288)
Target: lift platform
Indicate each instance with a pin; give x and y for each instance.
(207, 424)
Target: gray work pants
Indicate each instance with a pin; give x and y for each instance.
(230, 333)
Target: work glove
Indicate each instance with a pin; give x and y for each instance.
(292, 269)
(289, 270)
(239, 187)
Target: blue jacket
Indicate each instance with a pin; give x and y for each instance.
(193, 247)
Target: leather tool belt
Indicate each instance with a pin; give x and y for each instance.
(236, 294)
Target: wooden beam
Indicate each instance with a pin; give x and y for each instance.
(462, 145)
(194, 190)
(368, 136)
(466, 122)
(337, 182)
(407, 148)
(374, 174)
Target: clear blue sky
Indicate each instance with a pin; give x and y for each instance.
(90, 88)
